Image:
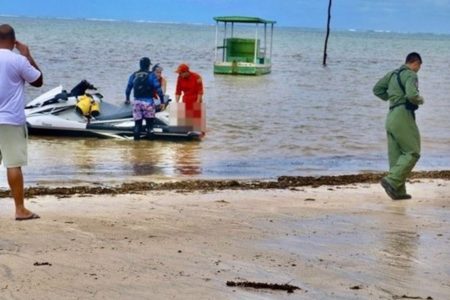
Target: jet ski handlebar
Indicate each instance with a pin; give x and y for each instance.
(81, 88)
(78, 90)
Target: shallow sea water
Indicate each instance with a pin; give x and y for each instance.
(302, 119)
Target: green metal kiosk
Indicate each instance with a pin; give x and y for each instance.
(243, 56)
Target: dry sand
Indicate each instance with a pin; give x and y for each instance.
(334, 242)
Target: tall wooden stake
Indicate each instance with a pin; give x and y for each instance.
(328, 34)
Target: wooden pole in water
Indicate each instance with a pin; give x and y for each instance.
(328, 34)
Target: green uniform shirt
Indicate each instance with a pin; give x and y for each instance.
(388, 88)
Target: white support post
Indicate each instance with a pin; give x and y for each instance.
(216, 48)
(225, 49)
(256, 44)
(271, 42)
(265, 41)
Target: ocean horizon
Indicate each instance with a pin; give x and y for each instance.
(359, 30)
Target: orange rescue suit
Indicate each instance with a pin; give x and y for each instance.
(191, 87)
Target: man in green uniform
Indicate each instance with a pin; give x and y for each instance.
(400, 87)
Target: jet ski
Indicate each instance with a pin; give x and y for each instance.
(83, 112)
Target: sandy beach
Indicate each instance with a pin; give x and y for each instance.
(333, 242)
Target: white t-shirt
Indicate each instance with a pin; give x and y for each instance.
(15, 70)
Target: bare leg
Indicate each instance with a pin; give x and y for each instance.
(15, 181)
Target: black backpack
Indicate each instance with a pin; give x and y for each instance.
(141, 85)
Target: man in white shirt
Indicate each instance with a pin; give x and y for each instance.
(15, 70)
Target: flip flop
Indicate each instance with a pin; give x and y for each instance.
(30, 217)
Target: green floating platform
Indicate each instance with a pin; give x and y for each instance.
(243, 56)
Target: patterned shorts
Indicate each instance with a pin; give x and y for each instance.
(143, 110)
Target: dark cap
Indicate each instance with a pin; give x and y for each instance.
(145, 63)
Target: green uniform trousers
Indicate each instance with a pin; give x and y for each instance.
(403, 146)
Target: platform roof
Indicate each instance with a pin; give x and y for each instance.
(240, 19)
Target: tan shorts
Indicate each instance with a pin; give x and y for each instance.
(13, 145)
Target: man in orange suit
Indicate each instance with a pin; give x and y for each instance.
(189, 91)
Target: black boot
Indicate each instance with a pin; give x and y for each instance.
(149, 126)
(137, 130)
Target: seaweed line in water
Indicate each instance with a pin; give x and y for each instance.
(282, 182)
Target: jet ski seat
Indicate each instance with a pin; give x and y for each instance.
(110, 111)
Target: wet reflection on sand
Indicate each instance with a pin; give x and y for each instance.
(57, 160)
(400, 240)
(389, 246)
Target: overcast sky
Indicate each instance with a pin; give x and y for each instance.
(394, 15)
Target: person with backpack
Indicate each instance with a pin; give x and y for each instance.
(401, 88)
(144, 84)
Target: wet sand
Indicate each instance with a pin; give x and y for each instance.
(332, 241)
